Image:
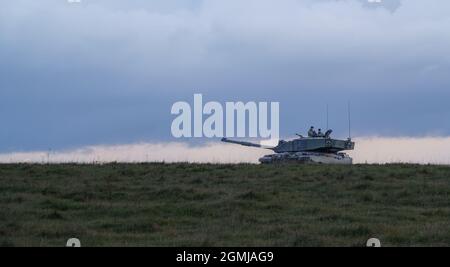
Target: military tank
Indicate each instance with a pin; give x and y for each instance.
(315, 148)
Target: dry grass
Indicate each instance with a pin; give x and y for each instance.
(224, 205)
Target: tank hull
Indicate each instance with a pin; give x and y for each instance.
(307, 158)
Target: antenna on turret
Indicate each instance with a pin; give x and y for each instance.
(349, 121)
(327, 117)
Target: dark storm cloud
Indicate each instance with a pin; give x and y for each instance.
(104, 72)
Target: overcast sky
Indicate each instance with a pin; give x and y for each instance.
(107, 72)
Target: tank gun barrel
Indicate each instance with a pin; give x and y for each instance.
(226, 140)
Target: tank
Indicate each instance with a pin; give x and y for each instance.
(321, 149)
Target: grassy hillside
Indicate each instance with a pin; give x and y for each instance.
(224, 205)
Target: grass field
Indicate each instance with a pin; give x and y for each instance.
(224, 205)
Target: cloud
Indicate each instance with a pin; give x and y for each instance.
(391, 5)
(434, 150)
(158, 152)
(108, 71)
